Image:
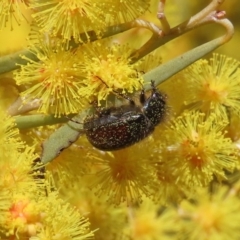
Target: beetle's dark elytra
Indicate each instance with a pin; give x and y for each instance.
(122, 132)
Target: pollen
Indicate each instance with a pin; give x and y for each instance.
(69, 18)
(146, 224)
(124, 11)
(214, 85)
(123, 175)
(198, 149)
(73, 19)
(12, 11)
(61, 220)
(210, 215)
(54, 80)
(106, 69)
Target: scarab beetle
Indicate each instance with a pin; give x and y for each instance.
(119, 127)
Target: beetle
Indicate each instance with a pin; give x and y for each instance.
(115, 128)
(111, 128)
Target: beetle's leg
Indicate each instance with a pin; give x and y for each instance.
(96, 108)
(131, 102)
(70, 119)
(142, 97)
(154, 89)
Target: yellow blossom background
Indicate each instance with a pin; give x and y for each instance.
(182, 182)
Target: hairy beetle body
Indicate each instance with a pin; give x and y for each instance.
(119, 127)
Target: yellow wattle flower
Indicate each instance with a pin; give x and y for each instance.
(12, 11)
(107, 69)
(196, 149)
(69, 18)
(54, 80)
(214, 85)
(73, 19)
(210, 216)
(145, 223)
(124, 176)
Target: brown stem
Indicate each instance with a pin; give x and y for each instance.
(205, 16)
(162, 18)
(164, 71)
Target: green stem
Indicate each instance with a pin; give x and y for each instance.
(9, 62)
(205, 16)
(165, 71)
(31, 121)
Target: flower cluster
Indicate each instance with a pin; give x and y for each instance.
(66, 86)
(27, 205)
(181, 181)
(70, 19)
(213, 86)
(197, 150)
